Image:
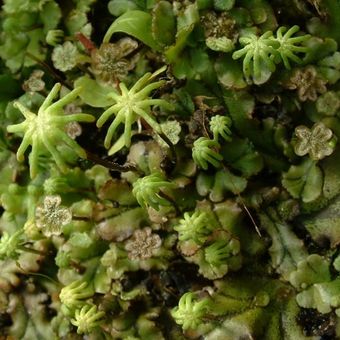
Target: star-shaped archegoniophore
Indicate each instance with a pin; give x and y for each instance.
(9, 245)
(194, 227)
(190, 312)
(204, 152)
(45, 130)
(220, 251)
(147, 190)
(258, 53)
(220, 126)
(317, 141)
(288, 45)
(261, 53)
(132, 105)
(87, 318)
(73, 296)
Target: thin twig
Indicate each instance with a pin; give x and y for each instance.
(110, 165)
(49, 69)
(243, 204)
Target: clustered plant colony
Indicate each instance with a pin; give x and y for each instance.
(170, 169)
